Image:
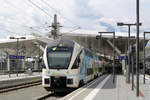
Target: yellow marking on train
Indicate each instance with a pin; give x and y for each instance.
(54, 73)
(54, 48)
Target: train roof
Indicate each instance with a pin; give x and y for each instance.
(62, 42)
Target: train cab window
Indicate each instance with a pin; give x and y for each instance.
(59, 57)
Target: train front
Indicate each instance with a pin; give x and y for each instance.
(57, 58)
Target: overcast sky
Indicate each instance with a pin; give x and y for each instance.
(17, 16)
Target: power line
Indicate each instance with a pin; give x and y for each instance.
(68, 27)
(73, 30)
(40, 8)
(35, 29)
(28, 27)
(8, 31)
(13, 6)
(30, 5)
(16, 7)
(31, 28)
(59, 13)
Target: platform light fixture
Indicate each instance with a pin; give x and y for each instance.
(129, 37)
(113, 51)
(17, 49)
(38, 45)
(137, 46)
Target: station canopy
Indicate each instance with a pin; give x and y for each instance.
(104, 46)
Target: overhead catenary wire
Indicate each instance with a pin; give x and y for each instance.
(32, 27)
(12, 32)
(46, 3)
(8, 31)
(18, 9)
(31, 5)
(73, 30)
(40, 8)
(27, 27)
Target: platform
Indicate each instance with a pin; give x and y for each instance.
(6, 81)
(103, 88)
(20, 76)
(144, 88)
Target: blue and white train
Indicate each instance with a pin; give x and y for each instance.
(69, 65)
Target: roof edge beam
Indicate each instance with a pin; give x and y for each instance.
(116, 49)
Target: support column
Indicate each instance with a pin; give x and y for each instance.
(93, 45)
(86, 43)
(8, 63)
(1, 66)
(90, 44)
(23, 64)
(36, 64)
(79, 40)
(124, 64)
(99, 43)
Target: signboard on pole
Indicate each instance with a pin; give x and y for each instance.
(15, 57)
(122, 57)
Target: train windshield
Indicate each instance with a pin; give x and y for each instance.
(59, 59)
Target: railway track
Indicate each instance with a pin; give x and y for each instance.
(20, 86)
(51, 96)
(32, 91)
(43, 97)
(55, 96)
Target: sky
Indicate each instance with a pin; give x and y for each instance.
(21, 17)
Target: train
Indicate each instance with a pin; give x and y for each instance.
(69, 65)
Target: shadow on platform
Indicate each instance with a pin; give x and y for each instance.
(109, 83)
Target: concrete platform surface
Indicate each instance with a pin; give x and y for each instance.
(6, 81)
(103, 88)
(144, 88)
(20, 76)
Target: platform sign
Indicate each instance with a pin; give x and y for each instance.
(122, 57)
(15, 57)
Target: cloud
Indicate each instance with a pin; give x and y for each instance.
(88, 14)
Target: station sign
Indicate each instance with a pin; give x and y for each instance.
(15, 57)
(122, 57)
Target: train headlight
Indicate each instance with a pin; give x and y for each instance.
(46, 71)
(69, 72)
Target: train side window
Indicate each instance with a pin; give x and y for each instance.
(89, 71)
(77, 61)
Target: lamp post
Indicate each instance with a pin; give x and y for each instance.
(128, 69)
(113, 50)
(144, 56)
(17, 48)
(38, 45)
(39, 59)
(137, 47)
